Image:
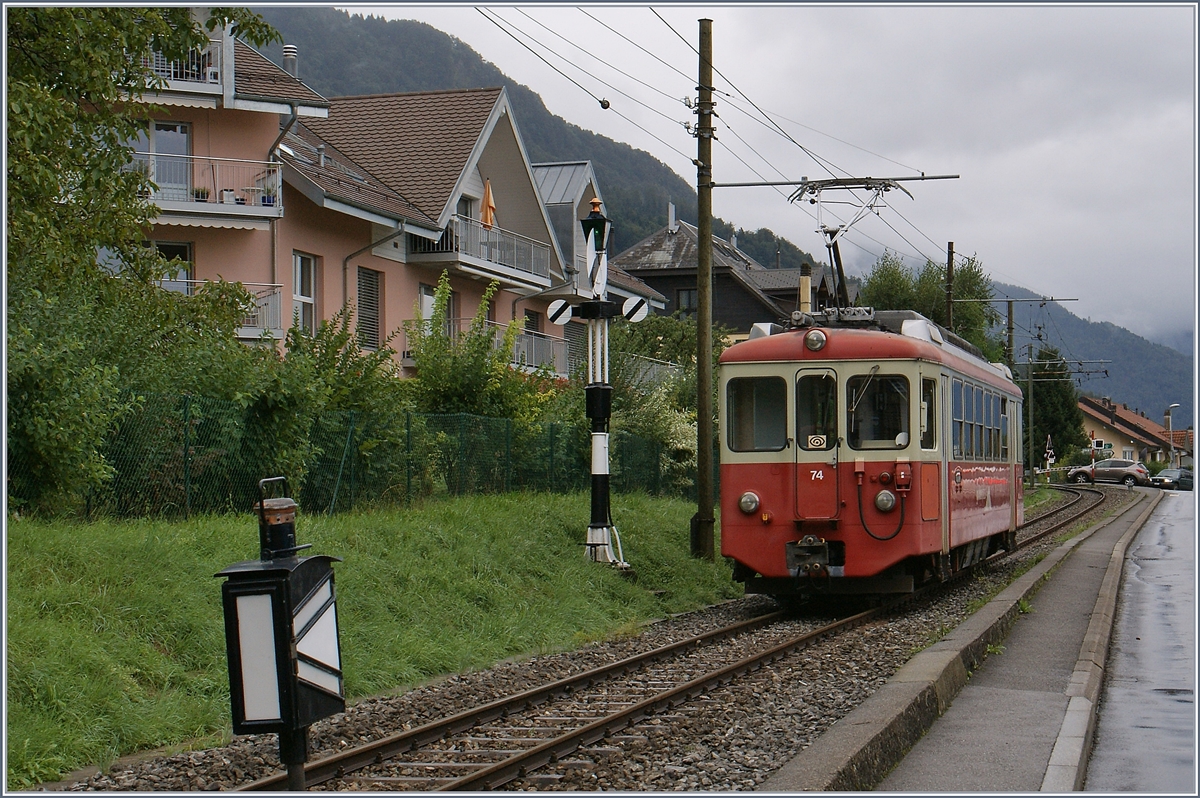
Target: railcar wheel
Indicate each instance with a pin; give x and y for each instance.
(1081, 479)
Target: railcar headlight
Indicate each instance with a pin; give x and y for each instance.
(748, 503)
(815, 340)
(885, 501)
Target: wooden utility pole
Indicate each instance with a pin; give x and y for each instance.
(1012, 356)
(950, 286)
(702, 522)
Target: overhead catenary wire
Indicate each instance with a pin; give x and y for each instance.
(605, 104)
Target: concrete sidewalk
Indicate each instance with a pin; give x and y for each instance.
(1023, 720)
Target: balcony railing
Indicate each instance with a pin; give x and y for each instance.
(201, 66)
(531, 349)
(469, 237)
(212, 181)
(267, 315)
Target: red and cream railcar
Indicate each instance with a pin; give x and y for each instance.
(864, 452)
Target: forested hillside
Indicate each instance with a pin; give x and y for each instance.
(1142, 374)
(342, 54)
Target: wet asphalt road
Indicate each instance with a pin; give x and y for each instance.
(1146, 731)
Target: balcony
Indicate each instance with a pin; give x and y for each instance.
(190, 184)
(531, 350)
(267, 316)
(200, 71)
(501, 253)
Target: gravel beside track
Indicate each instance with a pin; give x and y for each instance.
(731, 740)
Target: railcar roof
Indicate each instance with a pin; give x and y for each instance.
(895, 341)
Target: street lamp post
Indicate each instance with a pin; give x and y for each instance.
(1170, 437)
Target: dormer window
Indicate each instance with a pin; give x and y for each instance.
(465, 206)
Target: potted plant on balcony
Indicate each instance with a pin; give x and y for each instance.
(268, 199)
(200, 194)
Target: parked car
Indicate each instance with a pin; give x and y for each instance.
(1173, 478)
(1127, 472)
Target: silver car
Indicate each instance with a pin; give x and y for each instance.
(1127, 472)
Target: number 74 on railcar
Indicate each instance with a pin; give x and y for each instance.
(864, 452)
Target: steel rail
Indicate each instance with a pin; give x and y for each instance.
(518, 765)
(339, 764)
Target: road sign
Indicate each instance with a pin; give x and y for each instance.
(635, 308)
(559, 311)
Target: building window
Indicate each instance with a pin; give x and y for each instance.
(464, 207)
(166, 148)
(368, 308)
(304, 300)
(180, 278)
(686, 303)
(533, 321)
(1127, 454)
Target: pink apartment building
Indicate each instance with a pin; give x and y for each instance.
(316, 203)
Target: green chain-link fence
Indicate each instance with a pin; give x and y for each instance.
(179, 455)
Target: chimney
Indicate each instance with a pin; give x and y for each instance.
(805, 288)
(289, 60)
(672, 225)
(321, 155)
(733, 240)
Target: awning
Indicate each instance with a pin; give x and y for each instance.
(231, 222)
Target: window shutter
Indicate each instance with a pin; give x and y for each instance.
(368, 308)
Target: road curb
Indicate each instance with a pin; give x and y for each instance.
(860, 749)
(1068, 761)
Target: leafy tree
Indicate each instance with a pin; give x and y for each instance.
(468, 371)
(666, 338)
(891, 285)
(1056, 410)
(77, 335)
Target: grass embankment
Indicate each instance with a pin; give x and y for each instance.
(116, 637)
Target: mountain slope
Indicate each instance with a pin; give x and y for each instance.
(1141, 374)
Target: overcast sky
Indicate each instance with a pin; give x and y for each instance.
(1073, 128)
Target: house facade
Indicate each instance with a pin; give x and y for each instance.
(316, 204)
(1130, 435)
(744, 292)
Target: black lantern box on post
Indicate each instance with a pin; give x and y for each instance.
(281, 636)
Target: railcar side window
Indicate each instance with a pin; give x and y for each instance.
(987, 425)
(928, 414)
(1004, 429)
(956, 426)
(877, 412)
(969, 421)
(757, 414)
(816, 411)
(997, 427)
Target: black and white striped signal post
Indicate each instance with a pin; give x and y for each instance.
(598, 393)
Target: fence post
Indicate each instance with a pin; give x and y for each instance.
(507, 455)
(657, 468)
(408, 454)
(462, 453)
(550, 486)
(187, 485)
(345, 450)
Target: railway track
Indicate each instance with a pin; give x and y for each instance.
(511, 738)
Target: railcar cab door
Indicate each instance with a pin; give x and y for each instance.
(817, 443)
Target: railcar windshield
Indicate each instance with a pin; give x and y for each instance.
(877, 411)
(757, 414)
(816, 410)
